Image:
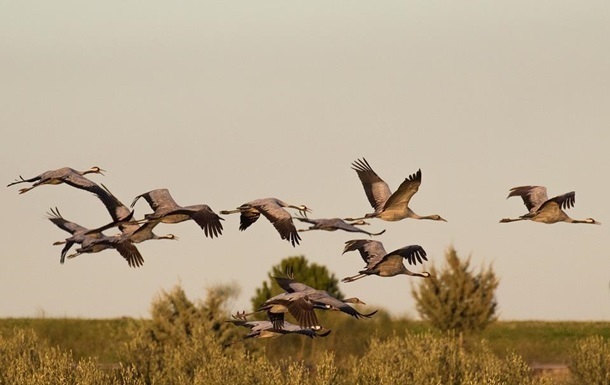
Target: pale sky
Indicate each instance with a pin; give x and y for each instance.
(226, 102)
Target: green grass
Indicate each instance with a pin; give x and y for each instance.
(83, 337)
(536, 342)
(541, 342)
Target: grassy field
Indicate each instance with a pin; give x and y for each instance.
(537, 342)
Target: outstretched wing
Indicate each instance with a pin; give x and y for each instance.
(371, 251)
(557, 203)
(130, 252)
(290, 285)
(81, 182)
(413, 254)
(158, 198)
(533, 196)
(405, 191)
(205, 217)
(377, 191)
(59, 221)
(282, 221)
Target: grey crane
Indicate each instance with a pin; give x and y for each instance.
(266, 329)
(300, 300)
(130, 229)
(545, 210)
(166, 210)
(389, 206)
(273, 210)
(79, 233)
(131, 232)
(92, 242)
(333, 224)
(62, 175)
(384, 264)
(320, 299)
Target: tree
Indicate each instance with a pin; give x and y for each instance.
(456, 298)
(314, 275)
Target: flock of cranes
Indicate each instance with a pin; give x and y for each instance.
(298, 299)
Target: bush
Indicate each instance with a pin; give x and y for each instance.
(590, 361)
(24, 359)
(457, 299)
(426, 359)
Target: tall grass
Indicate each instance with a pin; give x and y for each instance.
(190, 342)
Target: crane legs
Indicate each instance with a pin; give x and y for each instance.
(353, 278)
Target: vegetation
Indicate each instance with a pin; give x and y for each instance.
(188, 341)
(590, 361)
(313, 275)
(457, 299)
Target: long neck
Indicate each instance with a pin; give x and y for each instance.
(414, 215)
(412, 273)
(507, 220)
(570, 220)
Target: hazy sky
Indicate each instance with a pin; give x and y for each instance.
(226, 102)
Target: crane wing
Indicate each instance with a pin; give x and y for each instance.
(302, 310)
(371, 251)
(559, 202)
(377, 191)
(533, 196)
(282, 221)
(405, 191)
(157, 199)
(413, 254)
(59, 221)
(130, 252)
(205, 217)
(290, 285)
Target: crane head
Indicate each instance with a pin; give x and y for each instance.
(354, 300)
(96, 170)
(303, 210)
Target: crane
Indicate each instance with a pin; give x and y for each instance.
(384, 264)
(273, 210)
(389, 206)
(130, 229)
(334, 224)
(545, 210)
(320, 299)
(92, 242)
(66, 175)
(266, 329)
(166, 210)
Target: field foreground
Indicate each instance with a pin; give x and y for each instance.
(544, 346)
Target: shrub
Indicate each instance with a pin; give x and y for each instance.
(590, 361)
(24, 359)
(425, 359)
(457, 299)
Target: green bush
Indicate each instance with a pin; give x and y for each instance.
(455, 298)
(590, 361)
(425, 359)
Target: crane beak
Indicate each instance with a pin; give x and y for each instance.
(304, 210)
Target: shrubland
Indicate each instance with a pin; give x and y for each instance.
(189, 341)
